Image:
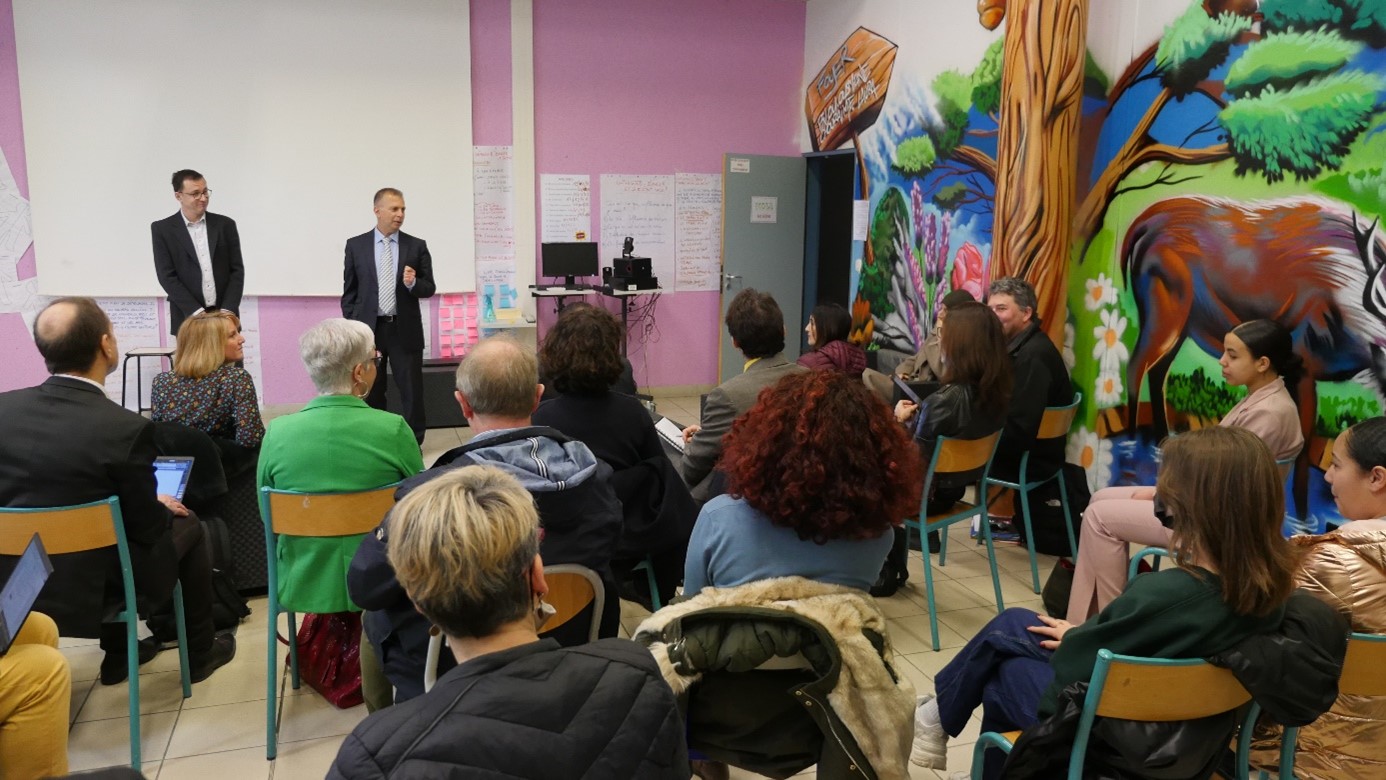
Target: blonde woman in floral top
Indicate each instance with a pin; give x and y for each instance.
(208, 391)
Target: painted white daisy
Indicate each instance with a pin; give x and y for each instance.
(1108, 390)
(1110, 349)
(1094, 454)
(1067, 352)
(1101, 292)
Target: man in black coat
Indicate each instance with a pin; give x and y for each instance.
(64, 443)
(1041, 380)
(498, 389)
(386, 273)
(197, 254)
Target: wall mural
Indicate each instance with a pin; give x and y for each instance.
(1232, 172)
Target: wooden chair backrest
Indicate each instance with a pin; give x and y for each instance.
(329, 514)
(1057, 421)
(62, 529)
(1161, 692)
(1364, 669)
(570, 592)
(959, 455)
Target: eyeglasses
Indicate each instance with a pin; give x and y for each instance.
(197, 195)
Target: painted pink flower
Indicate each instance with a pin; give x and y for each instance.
(970, 271)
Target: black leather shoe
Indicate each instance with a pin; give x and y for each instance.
(114, 668)
(222, 651)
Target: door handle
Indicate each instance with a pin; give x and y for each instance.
(726, 280)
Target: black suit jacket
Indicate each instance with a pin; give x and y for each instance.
(361, 295)
(175, 260)
(65, 443)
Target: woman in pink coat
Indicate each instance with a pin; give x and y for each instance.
(1258, 355)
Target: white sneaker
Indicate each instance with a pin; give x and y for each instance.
(960, 776)
(930, 748)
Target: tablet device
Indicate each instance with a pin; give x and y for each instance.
(21, 590)
(171, 475)
(908, 392)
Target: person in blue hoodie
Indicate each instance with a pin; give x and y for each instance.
(498, 389)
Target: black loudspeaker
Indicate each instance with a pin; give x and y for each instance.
(631, 267)
(440, 406)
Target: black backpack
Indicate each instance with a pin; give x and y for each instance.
(229, 608)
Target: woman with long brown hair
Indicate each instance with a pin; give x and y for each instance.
(1220, 491)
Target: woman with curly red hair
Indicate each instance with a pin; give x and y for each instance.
(817, 473)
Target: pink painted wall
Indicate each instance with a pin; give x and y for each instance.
(621, 86)
(634, 86)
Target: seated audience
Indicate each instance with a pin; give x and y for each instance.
(498, 390)
(817, 476)
(64, 443)
(209, 391)
(582, 354)
(927, 363)
(1232, 574)
(1347, 569)
(1258, 355)
(624, 382)
(975, 395)
(336, 443)
(756, 326)
(466, 549)
(1041, 380)
(827, 331)
(35, 695)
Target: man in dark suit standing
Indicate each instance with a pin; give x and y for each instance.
(197, 254)
(387, 272)
(63, 443)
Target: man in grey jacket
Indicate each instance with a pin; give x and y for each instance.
(498, 389)
(756, 325)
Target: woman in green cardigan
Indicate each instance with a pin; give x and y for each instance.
(334, 444)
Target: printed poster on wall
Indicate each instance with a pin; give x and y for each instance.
(698, 227)
(493, 190)
(136, 324)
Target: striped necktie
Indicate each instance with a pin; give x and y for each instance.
(387, 279)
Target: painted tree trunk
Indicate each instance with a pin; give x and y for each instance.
(1037, 149)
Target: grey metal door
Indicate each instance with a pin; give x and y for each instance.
(762, 241)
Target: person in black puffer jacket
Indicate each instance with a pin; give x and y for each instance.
(465, 547)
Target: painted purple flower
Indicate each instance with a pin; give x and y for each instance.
(917, 211)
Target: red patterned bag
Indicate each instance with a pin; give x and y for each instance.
(329, 656)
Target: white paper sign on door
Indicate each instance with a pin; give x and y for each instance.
(764, 209)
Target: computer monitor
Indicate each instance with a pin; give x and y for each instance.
(569, 259)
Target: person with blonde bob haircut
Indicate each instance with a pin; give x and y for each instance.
(1220, 491)
(208, 390)
(465, 548)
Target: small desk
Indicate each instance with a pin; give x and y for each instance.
(560, 293)
(624, 297)
(139, 354)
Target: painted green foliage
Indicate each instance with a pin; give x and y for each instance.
(892, 213)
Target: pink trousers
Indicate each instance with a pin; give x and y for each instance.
(1116, 517)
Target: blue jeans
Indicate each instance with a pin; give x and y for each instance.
(1002, 669)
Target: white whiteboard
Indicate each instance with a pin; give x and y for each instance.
(296, 112)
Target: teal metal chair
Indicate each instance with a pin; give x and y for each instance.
(959, 459)
(1364, 674)
(1140, 689)
(290, 513)
(95, 526)
(1156, 552)
(1055, 424)
(648, 566)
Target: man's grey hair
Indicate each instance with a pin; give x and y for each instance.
(1021, 291)
(331, 349)
(499, 377)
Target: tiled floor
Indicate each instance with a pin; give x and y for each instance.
(220, 731)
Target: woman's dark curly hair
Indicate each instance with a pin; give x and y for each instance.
(581, 354)
(821, 454)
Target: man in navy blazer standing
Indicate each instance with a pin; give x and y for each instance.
(386, 273)
(197, 254)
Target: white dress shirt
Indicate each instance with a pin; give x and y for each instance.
(198, 232)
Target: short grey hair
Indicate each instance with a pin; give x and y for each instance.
(499, 377)
(1021, 291)
(331, 349)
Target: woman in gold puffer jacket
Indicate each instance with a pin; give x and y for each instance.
(1347, 569)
